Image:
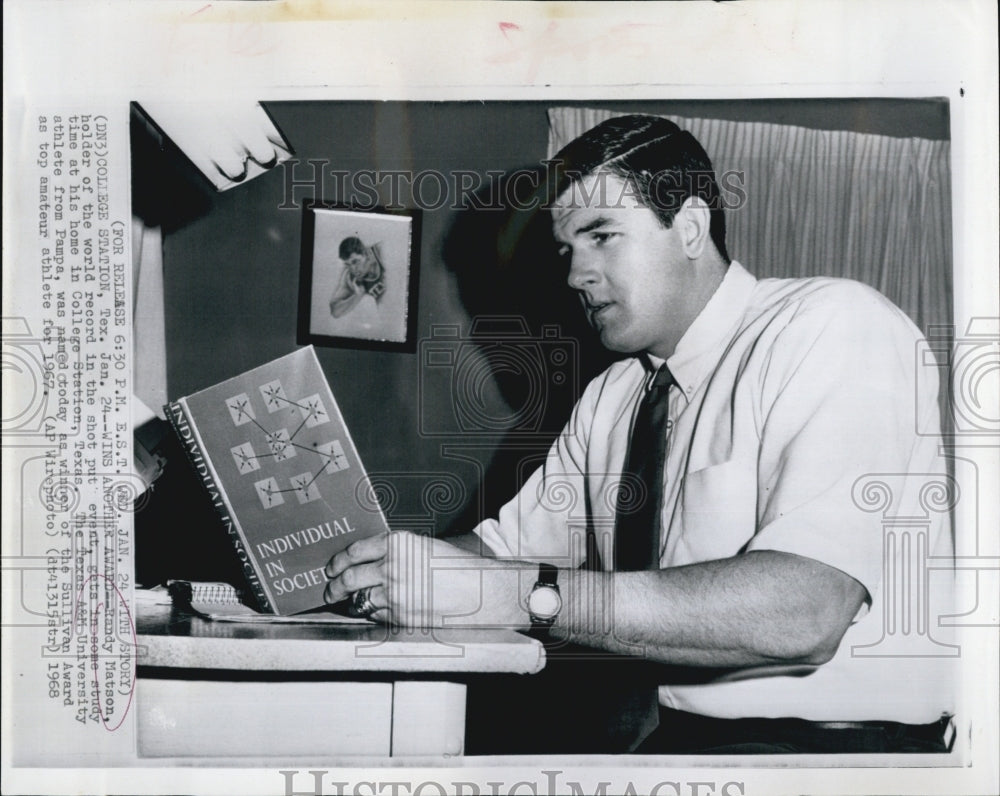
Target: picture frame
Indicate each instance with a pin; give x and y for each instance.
(358, 278)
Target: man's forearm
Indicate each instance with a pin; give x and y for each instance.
(344, 304)
(762, 608)
(757, 609)
(472, 543)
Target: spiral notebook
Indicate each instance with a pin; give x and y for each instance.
(223, 602)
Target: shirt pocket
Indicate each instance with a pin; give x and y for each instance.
(717, 512)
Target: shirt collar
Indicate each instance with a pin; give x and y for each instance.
(702, 345)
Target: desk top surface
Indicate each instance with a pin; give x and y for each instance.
(173, 640)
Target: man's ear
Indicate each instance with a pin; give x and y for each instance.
(692, 222)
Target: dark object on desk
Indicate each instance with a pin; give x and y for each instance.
(177, 532)
(272, 450)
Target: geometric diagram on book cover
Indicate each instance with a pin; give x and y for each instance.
(313, 411)
(282, 445)
(274, 396)
(240, 409)
(333, 456)
(268, 492)
(246, 459)
(305, 487)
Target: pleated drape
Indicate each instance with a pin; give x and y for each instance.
(827, 203)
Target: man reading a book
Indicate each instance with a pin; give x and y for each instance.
(712, 524)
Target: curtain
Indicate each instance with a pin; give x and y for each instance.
(827, 203)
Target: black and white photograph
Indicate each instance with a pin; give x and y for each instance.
(357, 275)
(731, 406)
(506, 418)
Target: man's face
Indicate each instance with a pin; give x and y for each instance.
(631, 273)
(357, 264)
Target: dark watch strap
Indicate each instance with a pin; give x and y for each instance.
(547, 579)
(548, 574)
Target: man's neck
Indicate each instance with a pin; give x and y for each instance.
(710, 271)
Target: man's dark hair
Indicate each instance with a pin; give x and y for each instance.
(351, 245)
(664, 163)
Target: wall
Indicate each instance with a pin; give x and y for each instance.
(232, 267)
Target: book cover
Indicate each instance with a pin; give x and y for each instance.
(277, 459)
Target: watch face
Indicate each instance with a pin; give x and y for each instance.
(544, 602)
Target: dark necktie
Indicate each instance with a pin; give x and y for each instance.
(626, 704)
(637, 522)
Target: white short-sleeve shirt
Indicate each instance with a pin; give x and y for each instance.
(796, 398)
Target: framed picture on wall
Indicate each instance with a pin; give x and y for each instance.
(358, 283)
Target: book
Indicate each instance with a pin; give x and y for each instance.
(282, 471)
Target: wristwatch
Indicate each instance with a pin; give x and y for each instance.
(544, 601)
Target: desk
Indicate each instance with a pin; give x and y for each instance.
(273, 692)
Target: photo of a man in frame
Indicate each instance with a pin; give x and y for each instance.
(363, 275)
